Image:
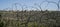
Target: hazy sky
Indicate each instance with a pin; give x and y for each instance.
(9, 3)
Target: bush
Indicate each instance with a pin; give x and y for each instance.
(1, 24)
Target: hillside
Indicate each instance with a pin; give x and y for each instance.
(30, 18)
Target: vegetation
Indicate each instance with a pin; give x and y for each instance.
(30, 19)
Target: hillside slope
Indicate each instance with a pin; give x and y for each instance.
(31, 18)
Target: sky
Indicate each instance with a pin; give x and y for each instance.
(10, 4)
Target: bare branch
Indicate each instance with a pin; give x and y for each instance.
(57, 4)
(38, 6)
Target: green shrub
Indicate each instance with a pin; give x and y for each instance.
(32, 24)
(1, 24)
